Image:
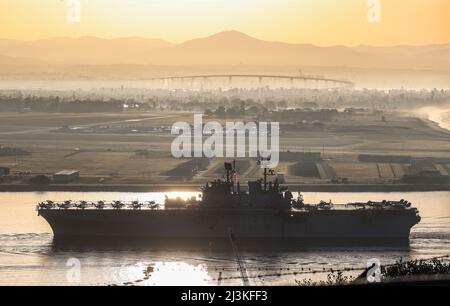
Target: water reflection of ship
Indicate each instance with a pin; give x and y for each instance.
(265, 210)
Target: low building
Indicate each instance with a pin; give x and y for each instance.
(424, 167)
(300, 156)
(66, 176)
(4, 171)
(281, 178)
(376, 158)
(6, 151)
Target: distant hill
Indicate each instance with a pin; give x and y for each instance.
(19, 61)
(234, 48)
(230, 51)
(83, 50)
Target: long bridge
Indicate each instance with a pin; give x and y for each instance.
(170, 81)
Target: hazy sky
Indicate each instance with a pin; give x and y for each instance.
(321, 22)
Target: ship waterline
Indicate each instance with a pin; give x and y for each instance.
(356, 225)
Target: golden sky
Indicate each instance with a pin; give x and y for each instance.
(320, 22)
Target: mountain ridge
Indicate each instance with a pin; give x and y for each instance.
(223, 48)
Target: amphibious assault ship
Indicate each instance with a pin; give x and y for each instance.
(264, 210)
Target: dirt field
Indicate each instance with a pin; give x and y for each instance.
(112, 158)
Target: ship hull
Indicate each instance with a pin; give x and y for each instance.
(360, 226)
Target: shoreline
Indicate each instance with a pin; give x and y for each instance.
(438, 116)
(196, 188)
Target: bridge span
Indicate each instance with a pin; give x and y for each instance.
(262, 79)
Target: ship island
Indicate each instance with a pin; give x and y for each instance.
(264, 209)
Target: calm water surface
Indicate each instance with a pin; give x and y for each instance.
(28, 256)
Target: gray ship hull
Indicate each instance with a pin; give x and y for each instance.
(334, 225)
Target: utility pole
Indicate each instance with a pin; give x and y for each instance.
(241, 267)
